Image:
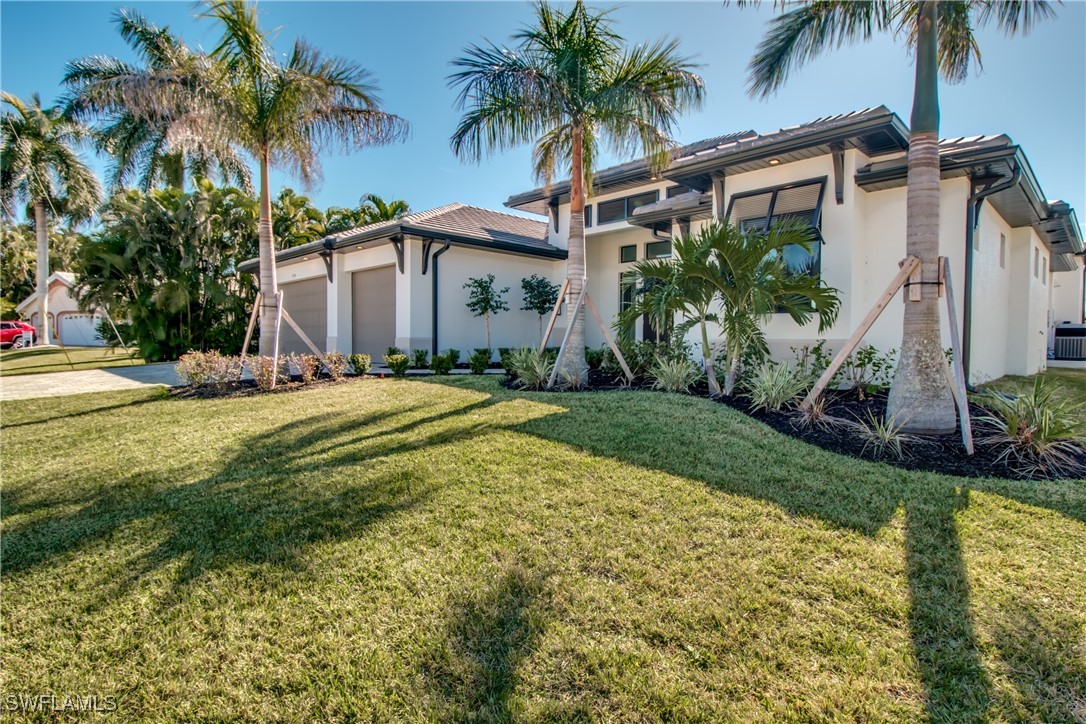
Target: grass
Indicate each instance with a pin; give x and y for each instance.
(1070, 383)
(53, 359)
(405, 549)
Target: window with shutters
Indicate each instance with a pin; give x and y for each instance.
(800, 201)
(621, 209)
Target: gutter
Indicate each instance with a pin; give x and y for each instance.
(972, 206)
(433, 297)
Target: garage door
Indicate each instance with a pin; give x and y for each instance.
(373, 310)
(78, 329)
(305, 301)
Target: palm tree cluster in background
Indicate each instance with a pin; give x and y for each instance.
(41, 168)
(571, 88)
(942, 35)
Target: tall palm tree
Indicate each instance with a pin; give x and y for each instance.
(376, 209)
(736, 278)
(40, 166)
(151, 146)
(569, 87)
(295, 220)
(242, 96)
(942, 33)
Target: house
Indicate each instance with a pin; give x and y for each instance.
(401, 283)
(1015, 256)
(67, 323)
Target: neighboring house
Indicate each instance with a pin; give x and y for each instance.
(68, 324)
(401, 283)
(1015, 257)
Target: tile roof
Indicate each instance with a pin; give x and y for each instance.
(462, 220)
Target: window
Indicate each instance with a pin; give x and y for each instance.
(800, 201)
(620, 209)
(1002, 251)
(673, 191)
(658, 250)
(625, 300)
(587, 215)
(612, 210)
(627, 254)
(1044, 270)
(1036, 263)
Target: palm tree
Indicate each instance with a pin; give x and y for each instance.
(370, 210)
(153, 146)
(40, 166)
(284, 114)
(736, 278)
(375, 208)
(943, 36)
(295, 220)
(569, 87)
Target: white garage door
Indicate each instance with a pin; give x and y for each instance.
(373, 311)
(78, 329)
(307, 305)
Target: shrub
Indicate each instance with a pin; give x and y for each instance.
(479, 361)
(227, 370)
(393, 351)
(196, 368)
(1039, 433)
(812, 361)
(361, 363)
(308, 366)
(594, 358)
(814, 415)
(419, 358)
(772, 386)
(441, 364)
(571, 382)
(641, 356)
(504, 357)
(868, 371)
(398, 363)
(266, 373)
(882, 435)
(674, 375)
(336, 364)
(454, 355)
(531, 368)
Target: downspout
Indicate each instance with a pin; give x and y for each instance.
(433, 298)
(971, 221)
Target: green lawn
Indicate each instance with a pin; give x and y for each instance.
(54, 359)
(404, 549)
(1069, 383)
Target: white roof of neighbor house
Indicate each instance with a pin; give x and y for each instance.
(65, 278)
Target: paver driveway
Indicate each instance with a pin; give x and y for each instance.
(55, 384)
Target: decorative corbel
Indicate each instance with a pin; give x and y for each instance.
(397, 245)
(838, 172)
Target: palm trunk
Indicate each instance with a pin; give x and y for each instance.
(41, 231)
(268, 284)
(573, 361)
(920, 397)
(707, 355)
(733, 371)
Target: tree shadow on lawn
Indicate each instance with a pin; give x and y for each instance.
(490, 631)
(739, 456)
(46, 406)
(267, 504)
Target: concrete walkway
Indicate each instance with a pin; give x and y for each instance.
(56, 384)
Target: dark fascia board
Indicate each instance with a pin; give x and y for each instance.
(535, 200)
(834, 134)
(329, 244)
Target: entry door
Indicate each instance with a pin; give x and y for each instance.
(307, 304)
(373, 311)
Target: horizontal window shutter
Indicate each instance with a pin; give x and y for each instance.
(747, 208)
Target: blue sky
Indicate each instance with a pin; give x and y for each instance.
(1031, 88)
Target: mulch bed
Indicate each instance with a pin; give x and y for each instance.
(248, 388)
(933, 453)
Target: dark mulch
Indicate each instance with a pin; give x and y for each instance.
(939, 454)
(248, 388)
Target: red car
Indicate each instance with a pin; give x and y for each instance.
(12, 334)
